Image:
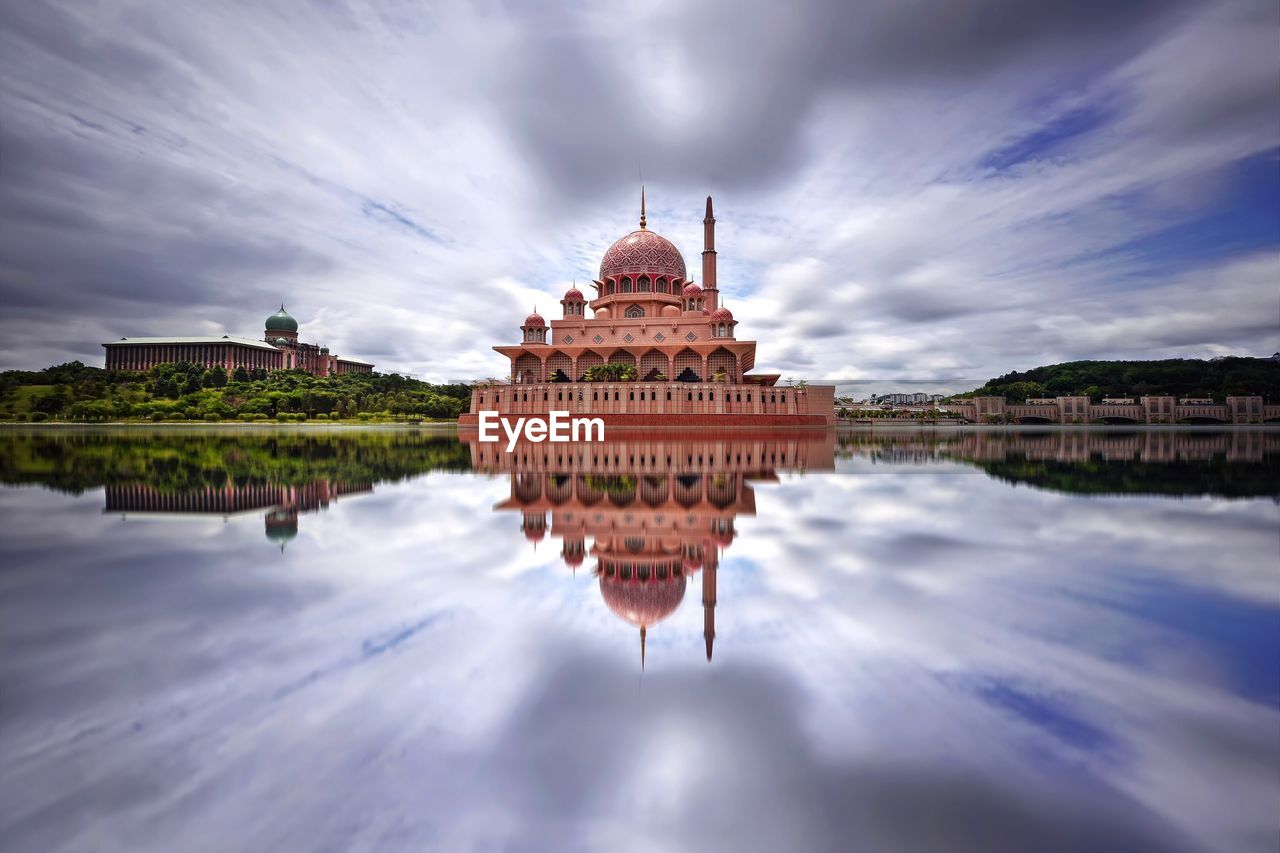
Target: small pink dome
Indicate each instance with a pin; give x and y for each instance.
(535, 320)
(692, 290)
(603, 313)
(722, 315)
(573, 294)
(670, 311)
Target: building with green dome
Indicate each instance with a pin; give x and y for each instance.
(279, 349)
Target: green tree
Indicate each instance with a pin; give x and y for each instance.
(215, 377)
(612, 372)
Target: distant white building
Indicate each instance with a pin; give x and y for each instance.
(913, 399)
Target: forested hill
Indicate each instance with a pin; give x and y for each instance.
(1183, 377)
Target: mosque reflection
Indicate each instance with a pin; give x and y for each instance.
(657, 511)
(279, 503)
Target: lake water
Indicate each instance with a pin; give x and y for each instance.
(385, 639)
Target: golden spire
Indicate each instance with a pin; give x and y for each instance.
(642, 225)
(642, 648)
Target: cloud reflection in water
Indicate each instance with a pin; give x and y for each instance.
(908, 653)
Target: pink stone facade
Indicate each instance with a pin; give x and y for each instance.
(681, 343)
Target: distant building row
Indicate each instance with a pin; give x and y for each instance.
(279, 349)
(1146, 410)
(907, 399)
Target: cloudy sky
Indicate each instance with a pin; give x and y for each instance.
(929, 189)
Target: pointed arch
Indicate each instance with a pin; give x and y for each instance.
(688, 490)
(653, 363)
(653, 490)
(723, 361)
(588, 360)
(686, 366)
(586, 491)
(621, 356)
(559, 367)
(722, 490)
(528, 369)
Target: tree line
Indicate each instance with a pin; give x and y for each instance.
(186, 391)
(1217, 378)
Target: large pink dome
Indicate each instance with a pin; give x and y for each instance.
(643, 252)
(643, 602)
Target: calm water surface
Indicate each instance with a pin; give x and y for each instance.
(391, 639)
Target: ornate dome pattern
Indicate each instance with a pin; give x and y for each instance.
(535, 320)
(643, 602)
(643, 252)
(691, 290)
(721, 315)
(573, 294)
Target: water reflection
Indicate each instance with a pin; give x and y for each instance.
(658, 510)
(912, 649)
(282, 502)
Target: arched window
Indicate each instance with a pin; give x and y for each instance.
(626, 286)
(608, 287)
(635, 311)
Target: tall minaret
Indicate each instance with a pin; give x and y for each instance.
(709, 260)
(709, 599)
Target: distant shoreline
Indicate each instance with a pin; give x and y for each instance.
(876, 425)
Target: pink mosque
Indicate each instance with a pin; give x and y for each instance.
(690, 366)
